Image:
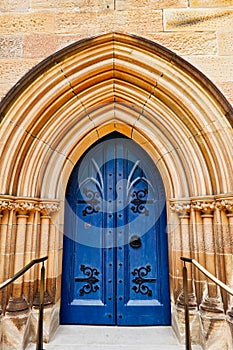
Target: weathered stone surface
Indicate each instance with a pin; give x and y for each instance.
(51, 322)
(88, 23)
(14, 5)
(187, 43)
(225, 46)
(39, 45)
(26, 23)
(11, 46)
(178, 320)
(16, 330)
(65, 40)
(13, 70)
(42, 45)
(218, 69)
(141, 22)
(210, 3)
(227, 90)
(216, 335)
(82, 22)
(101, 5)
(197, 19)
(152, 4)
(75, 5)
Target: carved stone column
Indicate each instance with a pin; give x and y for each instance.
(229, 266)
(211, 308)
(212, 301)
(1, 274)
(185, 249)
(2, 243)
(230, 282)
(25, 235)
(6, 233)
(17, 317)
(47, 247)
(18, 302)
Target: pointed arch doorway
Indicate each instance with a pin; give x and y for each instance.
(115, 264)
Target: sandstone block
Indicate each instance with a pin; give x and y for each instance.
(218, 69)
(90, 23)
(212, 3)
(75, 5)
(225, 43)
(13, 5)
(4, 88)
(227, 90)
(187, 43)
(140, 22)
(197, 19)
(65, 40)
(80, 23)
(16, 331)
(12, 70)
(11, 46)
(152, 4)
(12, 23)
(215, 333)
(39, 45)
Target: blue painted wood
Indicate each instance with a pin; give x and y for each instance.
(115, 196)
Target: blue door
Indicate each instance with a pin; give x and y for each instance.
(115, 265)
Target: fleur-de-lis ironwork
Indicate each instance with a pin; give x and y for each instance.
(89, 281)
(140, 280)
(139, 200)
(92, 200)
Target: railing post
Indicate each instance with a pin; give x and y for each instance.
(186, 308)
(41, 310)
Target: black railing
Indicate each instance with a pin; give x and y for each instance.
(185, 290)
(39, 345)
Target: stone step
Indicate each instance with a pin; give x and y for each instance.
(72, 337)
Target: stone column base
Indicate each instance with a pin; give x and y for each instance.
(230, 327)
(178, 322)
(0, 326)
(215, 331)
(16, 330)
(50, 324)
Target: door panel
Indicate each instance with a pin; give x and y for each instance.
(115, 240)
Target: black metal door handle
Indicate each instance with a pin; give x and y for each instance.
(135, 241)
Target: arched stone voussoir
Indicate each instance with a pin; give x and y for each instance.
(115, 82)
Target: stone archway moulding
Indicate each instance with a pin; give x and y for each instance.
(115, 82)
(124, 83)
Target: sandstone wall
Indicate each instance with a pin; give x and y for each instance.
(200, 31)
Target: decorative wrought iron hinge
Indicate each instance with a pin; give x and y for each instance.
(140, 280)
(139, 200)
(93, 200)
(89, 281)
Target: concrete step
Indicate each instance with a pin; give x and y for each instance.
(113, 338)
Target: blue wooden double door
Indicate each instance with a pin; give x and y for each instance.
(115, 264)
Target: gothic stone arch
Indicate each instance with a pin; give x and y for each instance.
(124, 83)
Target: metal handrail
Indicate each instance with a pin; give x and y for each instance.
(185, 289)
(39, 345)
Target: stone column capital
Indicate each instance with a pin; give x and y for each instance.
(226, 204)
(46, 208)
(6, 204)
(206, 207)
(24, 205)
(182, 208)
